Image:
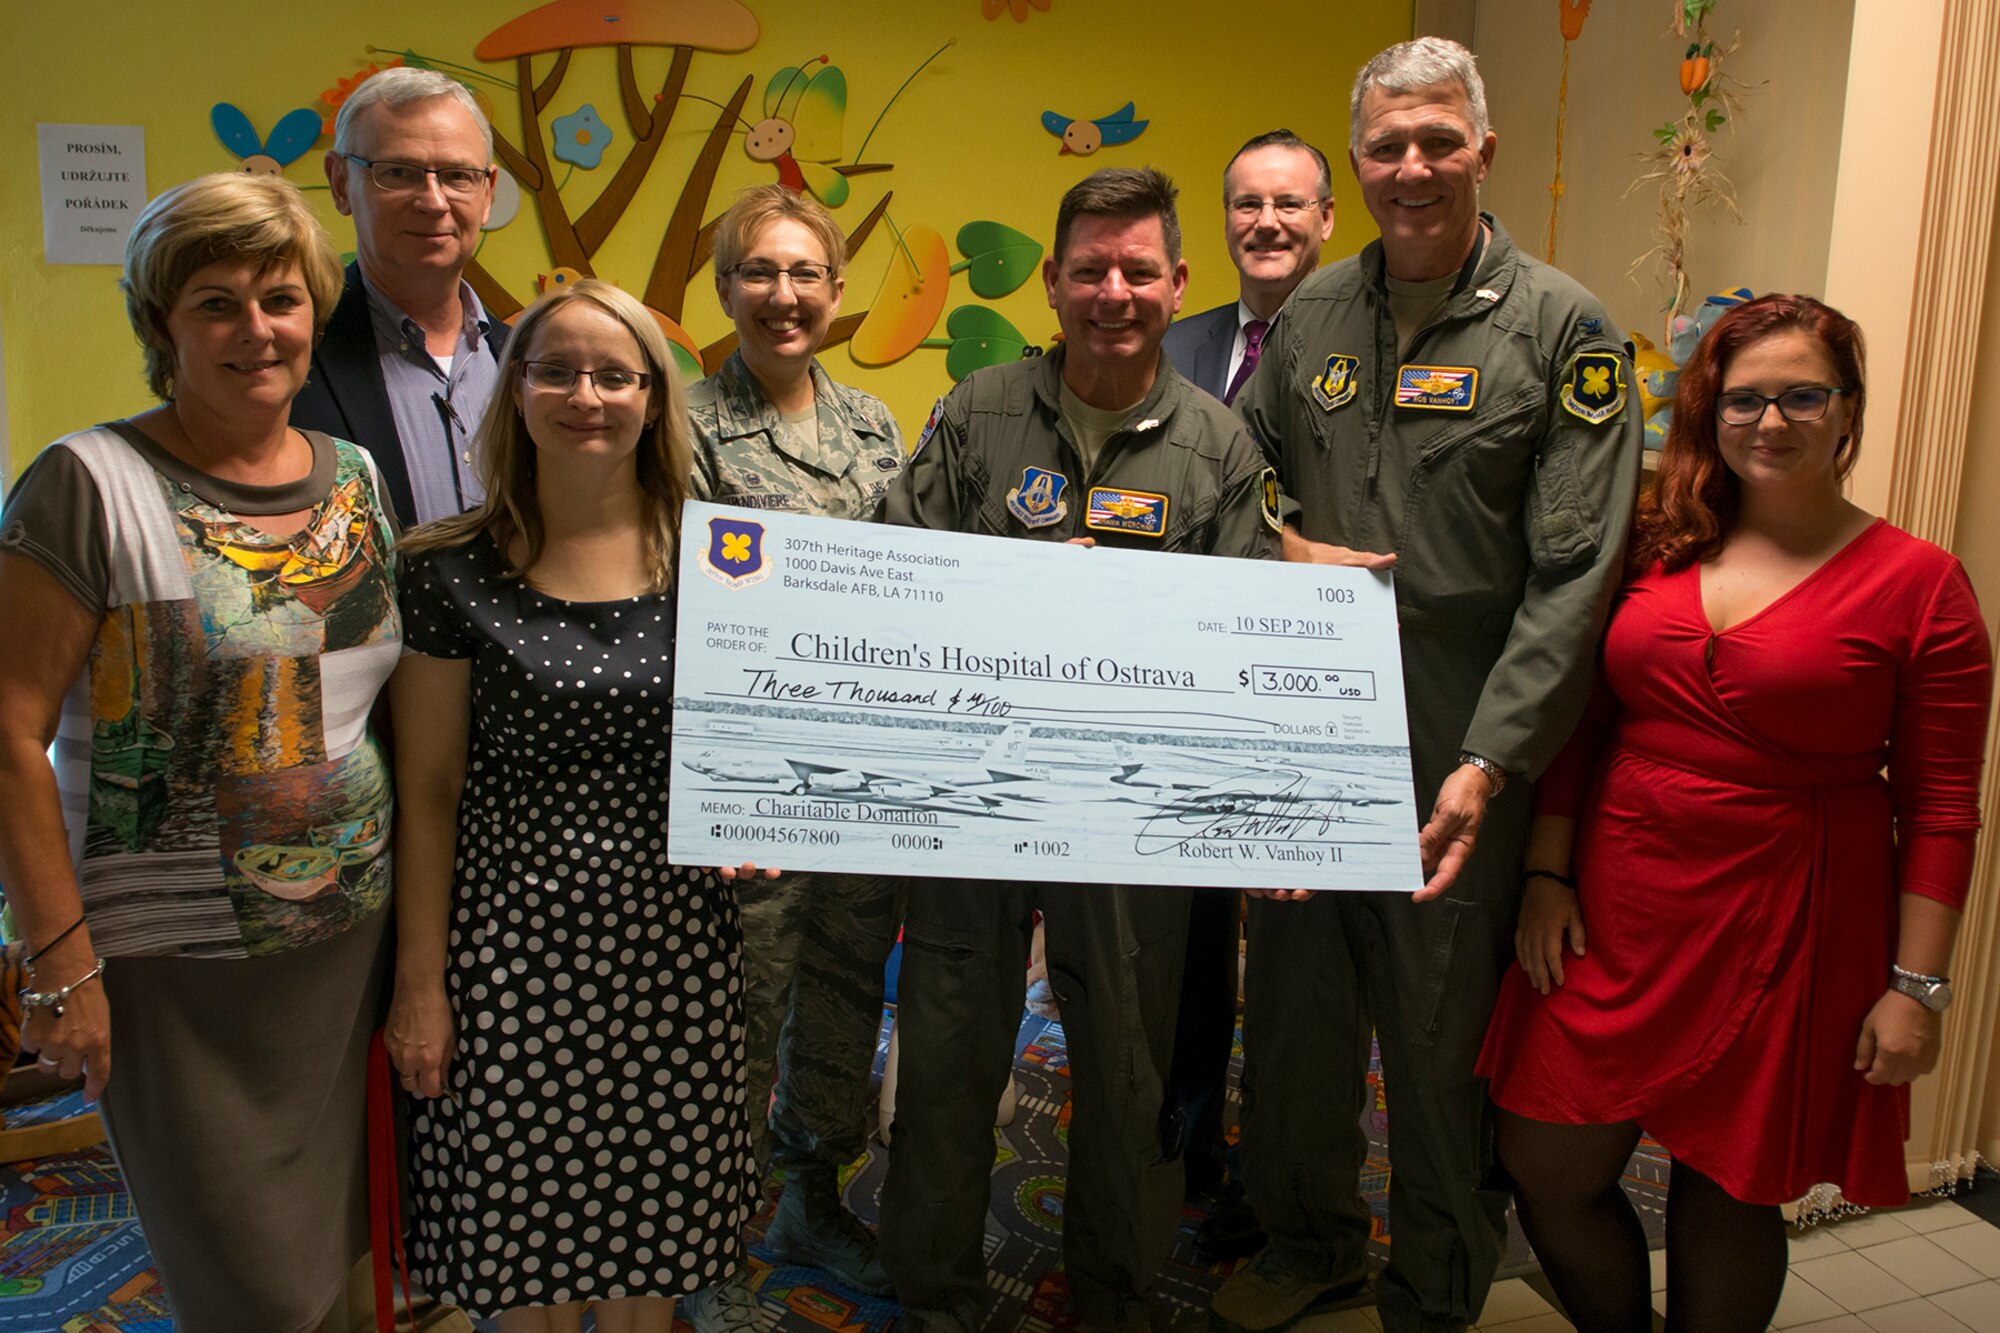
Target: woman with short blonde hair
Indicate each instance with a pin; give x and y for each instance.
(210, 601)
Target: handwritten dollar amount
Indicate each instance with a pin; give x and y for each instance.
(1307, 682)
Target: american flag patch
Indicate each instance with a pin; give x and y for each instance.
(1126, 511)
(1439, 388)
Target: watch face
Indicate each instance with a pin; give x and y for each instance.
(1940, 996)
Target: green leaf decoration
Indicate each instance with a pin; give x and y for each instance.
(980, 337)
(1001, 258)
(1714, 120)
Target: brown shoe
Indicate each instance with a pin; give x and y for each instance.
(1265, 1295)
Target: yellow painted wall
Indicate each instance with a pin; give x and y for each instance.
(966, 139)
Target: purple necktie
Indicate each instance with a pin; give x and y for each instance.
(1253, 347)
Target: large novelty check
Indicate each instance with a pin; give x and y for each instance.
(849, 696)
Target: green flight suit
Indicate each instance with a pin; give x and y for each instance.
(996, 458)
(814, 946)
(1498, 457)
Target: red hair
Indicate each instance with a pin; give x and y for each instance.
(1691, 506)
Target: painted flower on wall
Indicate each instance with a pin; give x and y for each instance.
(581, 137)
(994, 8)
(333, 98)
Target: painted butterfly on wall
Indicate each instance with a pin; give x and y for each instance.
(294, 133)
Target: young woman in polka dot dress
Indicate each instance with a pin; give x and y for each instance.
(567, 1006)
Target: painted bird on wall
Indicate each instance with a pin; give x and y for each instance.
(1084, 137)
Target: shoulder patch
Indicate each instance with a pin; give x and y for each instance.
(1437, 388)
(1336, 385)
(1269, 502)
(1593, 388)
(930, 424)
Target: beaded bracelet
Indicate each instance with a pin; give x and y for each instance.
(52, 1000)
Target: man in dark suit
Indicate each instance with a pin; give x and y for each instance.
(1277, 204)
(1277, 200)
(410, 358)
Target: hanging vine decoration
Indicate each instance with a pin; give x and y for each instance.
(1571, 14)
(1683, 163)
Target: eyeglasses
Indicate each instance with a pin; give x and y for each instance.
(756, 277)
(1740, 407)
(556, 378)
(1289, 208)
(408, 177)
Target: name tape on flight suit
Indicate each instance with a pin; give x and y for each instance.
(1140, 512)
(1437, 388)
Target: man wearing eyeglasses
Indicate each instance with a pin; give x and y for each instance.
(409, 360)
(1277, 211)
(1446, 404)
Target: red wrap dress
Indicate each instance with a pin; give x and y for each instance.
(1739, 853)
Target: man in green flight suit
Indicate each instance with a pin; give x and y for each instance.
(1100, 440)
(1444, 404)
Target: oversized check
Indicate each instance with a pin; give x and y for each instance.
(853, 696)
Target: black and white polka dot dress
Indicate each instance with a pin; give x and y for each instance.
(594, 1143)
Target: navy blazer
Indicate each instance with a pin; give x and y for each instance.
(345, 397)
(1199, 347)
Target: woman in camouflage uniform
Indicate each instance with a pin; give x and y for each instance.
(772, 431)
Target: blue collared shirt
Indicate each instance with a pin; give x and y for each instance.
(436, 412)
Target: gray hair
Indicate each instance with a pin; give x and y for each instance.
(398, 87)
(1425, 62)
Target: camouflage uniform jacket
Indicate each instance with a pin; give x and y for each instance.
(1181, 475)
(1497, 457)
(746, 454)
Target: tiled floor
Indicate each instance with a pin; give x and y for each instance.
(1930, 1268)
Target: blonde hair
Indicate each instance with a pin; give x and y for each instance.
(759, 206)
(227, 217)
(504, 454)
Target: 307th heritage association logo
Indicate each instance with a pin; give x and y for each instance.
(735, 553)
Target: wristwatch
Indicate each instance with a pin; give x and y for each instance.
(1933, 993)
(1494, 773)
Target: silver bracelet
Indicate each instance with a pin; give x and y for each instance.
(52, 1000)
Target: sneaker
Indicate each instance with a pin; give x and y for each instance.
(728, 1306)
(1265, 1295)
(814, 1230)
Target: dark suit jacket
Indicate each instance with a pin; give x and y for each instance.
(1199, 346)
(344, 395)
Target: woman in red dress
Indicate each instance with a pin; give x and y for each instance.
(1735, 929)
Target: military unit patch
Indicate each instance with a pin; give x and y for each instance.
(1593, 389)
(734, 556)
(1141, 512)
(1269, 505)
(1338, 383)
(1038, 501)
(1437, 388)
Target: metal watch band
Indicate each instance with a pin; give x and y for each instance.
(1494, 773)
